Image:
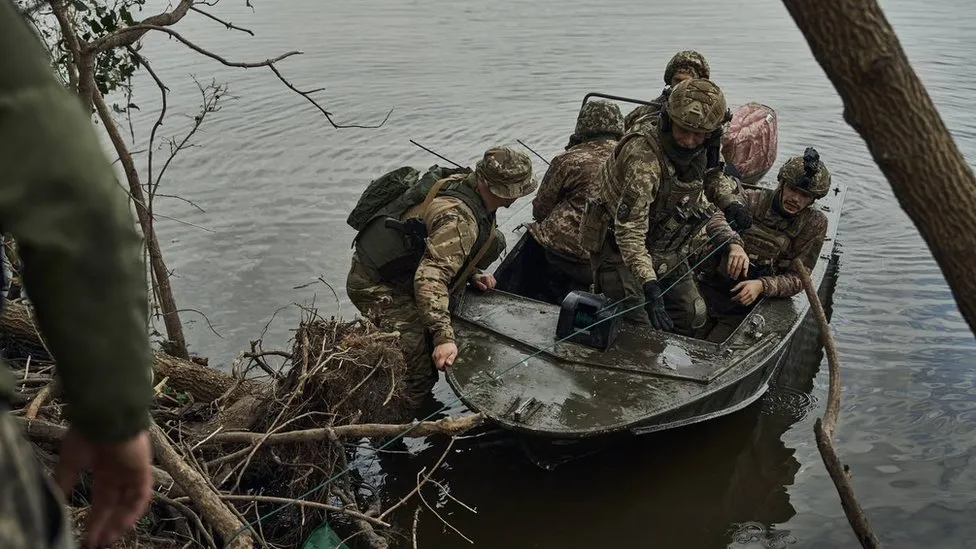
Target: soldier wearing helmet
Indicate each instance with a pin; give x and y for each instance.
(406, 284)
(682, 66)
(572, 178)
(758, 261)
(657, 190)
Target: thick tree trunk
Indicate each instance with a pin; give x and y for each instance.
(886, 103)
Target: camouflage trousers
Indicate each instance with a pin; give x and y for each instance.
(682, 300)
(725, 315)
(393, 308)
(32, 514)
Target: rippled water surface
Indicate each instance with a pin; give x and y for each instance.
(277, 181)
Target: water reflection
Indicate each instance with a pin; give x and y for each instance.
(723, 483)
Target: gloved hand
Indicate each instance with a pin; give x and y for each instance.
(737, 217)
(655, 307)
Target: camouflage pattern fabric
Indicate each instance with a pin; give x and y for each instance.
(599, 117)
(393, 308)
(644, 118)
(31, 515)
(689, 61)
(557, 208)
(794, 170)
(419, 305)
(633, 170)
(697, 105)
(810, 227)
(507, 172)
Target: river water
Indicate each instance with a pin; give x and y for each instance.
(276, 183)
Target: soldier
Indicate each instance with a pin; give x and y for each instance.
(82, 263)
(572, 177)
(412, 286)
(656, 189)
(682, 66)
(759, 260)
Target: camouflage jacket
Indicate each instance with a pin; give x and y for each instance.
(642, 118)
(81, 253)
(803, 236)
(452, 232)
(632, 176)
(572, 177)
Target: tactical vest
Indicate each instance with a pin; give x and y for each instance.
(678, 211)
(769, 238)
(394, 252)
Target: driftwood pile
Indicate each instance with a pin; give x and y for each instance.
(233, 448)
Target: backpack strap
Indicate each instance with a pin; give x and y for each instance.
(463, 278)
(432, 193)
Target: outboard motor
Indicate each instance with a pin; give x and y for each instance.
(588, 319)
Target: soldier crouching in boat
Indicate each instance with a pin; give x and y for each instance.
(572, 178)
(758, 260)
(405, 283)
(657, 189)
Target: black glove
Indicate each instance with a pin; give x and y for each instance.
(737, 217)
(655, 307)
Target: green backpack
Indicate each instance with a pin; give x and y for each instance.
(390, 186)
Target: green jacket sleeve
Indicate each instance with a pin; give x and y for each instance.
(81, 254)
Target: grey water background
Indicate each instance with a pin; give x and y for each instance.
(277, 182)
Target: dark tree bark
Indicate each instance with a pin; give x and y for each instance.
(886, 103)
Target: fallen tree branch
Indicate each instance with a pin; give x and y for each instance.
(302, 503)
(824, 428)
(196, 486)
(445, 426)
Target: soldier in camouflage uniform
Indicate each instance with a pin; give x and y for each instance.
(573, 177)
(656, 191)
(414, 298)
(82, 263)
(759, 260)
(682, 66)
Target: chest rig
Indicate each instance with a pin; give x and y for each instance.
(679, 210)
(767, 242)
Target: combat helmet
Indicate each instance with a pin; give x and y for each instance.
(687, 61)
(807, 173)
(599, 117)
(697, 105)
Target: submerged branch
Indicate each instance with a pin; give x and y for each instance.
(824, 428)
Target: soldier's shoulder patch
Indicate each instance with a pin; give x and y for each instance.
(626, 205)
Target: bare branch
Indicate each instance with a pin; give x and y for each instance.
(129, 35)
(328, 115)
(300, 503)
(187, 200)
(204, 317)
(163, 90)
(142, 27)
(823, 428)
(445, 426)
(221, 21)
(420, 482)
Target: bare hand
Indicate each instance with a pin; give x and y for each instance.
(444, 355)
(738, 262)
(747, 291)
(121, 481)
(484, 281)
